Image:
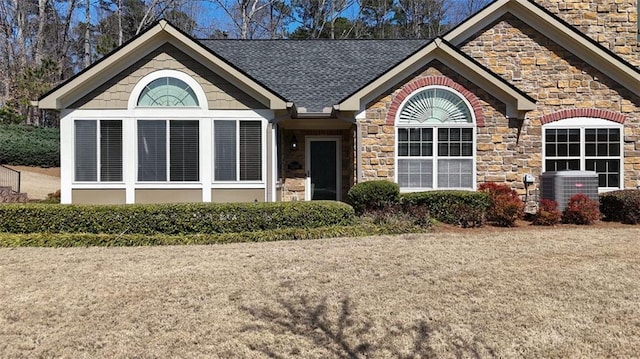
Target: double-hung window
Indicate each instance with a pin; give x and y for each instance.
(98, 150)
(435, 141)
(237, 150)
(168, 150)
(585, 145)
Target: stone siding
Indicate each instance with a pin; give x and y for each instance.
(114, 94)
(506, 149)
(559, 82)
(612, 23)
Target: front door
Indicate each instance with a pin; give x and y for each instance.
(323, 168)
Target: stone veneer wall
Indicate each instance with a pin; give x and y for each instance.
(612, 23)
(507, 149)
(293, 180)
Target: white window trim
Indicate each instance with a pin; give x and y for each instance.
(582, 123)
(263, 154)
(435, 157)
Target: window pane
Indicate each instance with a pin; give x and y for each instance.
(562, 165)
(167, 91)
(152, 151)
(455, 173)
(574, 149)
(414, 149)
(590, 149)
(403, 149)
(184, 151)
(111, 150)
(225, 150)
(415, 173)
(550, 149)
(608, 171)
(85, 151)
(403, 134)
(250, 151)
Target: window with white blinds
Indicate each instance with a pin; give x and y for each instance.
(184, 151)
(98, 150)
(175, 140)
(250, 151)
(111, 150)
(152, 150)
(237, 150)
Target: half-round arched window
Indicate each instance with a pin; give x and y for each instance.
(435, 105)
(167, 92)
(435, 141)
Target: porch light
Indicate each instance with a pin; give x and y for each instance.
(293, 143)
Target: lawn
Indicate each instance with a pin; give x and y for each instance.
(540, 292)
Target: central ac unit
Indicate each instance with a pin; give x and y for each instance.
(561, 185)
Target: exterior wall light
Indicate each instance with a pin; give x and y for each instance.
(293, 143)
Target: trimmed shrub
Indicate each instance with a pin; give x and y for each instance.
(373, 195)
(506, 206)
(547, 214)
(621, 206)
(173, 218)
(118, 240)
(462, 208)
(399, 218)
(29, 146)
(581, 210)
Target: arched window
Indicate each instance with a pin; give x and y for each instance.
(435, 141)
(167, 92)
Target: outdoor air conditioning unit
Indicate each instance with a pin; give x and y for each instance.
(561, 185)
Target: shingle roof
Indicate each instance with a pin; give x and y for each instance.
(314, 74)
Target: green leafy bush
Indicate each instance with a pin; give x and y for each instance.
(373, 195)
(506, 206)
(621, 206)
(173, 218)
(581, 210)
(547, 214)
(463, 208)
(118, 240)
(29, 146)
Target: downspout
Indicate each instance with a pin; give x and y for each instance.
(359, 146)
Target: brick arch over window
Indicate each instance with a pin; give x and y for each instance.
(584, 112)
(416, 84)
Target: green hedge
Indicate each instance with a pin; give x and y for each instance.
(29, 146)
(172, 218)
(116, 240)
(463, 208)
(373, 195)
(621, 206)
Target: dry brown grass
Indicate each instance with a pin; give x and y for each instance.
(542, 292)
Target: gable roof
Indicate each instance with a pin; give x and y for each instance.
(517, 101)
(557, 30)
(131, 51)
(314, 74)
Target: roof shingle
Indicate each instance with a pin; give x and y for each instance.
(314, 74)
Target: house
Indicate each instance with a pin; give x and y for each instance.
(521, 87)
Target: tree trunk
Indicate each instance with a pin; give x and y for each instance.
(87, 34)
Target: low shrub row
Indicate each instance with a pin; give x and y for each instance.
(373, 195)
(29, 146)
(621, 206)
(120, 240)
(173, 218)
(463, 208)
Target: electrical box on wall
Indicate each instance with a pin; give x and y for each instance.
(528, 178)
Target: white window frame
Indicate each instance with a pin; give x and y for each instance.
(583, 123)
(263, 155)
(98, 150)
(435, 157)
